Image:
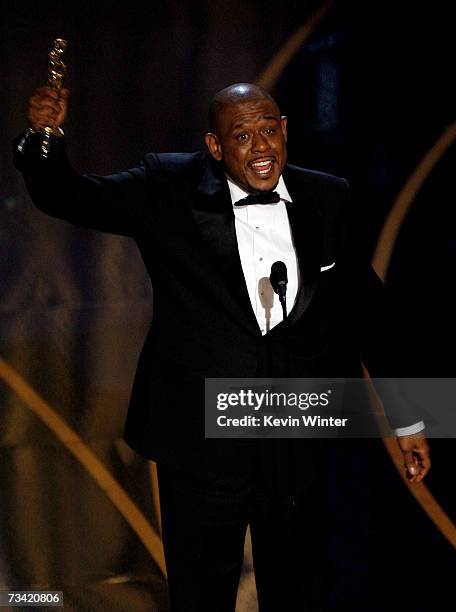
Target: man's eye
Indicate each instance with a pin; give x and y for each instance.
(242, 137)
(269, 131)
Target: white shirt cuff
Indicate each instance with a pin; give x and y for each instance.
(410, 430)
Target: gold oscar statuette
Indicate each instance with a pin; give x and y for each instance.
(57, 72)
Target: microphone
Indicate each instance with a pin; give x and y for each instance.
(279, 280)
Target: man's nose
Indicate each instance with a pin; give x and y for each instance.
(259, 143)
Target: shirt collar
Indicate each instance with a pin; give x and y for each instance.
(237, 193)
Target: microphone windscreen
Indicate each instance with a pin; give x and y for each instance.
(278, 275)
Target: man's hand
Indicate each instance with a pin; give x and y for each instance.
(47, 108)
(415, 451)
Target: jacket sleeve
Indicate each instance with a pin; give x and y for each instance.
(106, 203)
(373, 316)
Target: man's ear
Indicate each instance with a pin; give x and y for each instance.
(213, 144)
(283, 125)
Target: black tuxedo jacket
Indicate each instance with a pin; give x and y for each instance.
(178, 209)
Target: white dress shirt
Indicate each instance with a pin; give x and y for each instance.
(264, 236)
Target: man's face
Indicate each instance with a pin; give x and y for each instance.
(251, 143)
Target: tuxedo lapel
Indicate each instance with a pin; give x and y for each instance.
(306, 226)
(213, 213)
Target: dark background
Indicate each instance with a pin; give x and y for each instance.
(366, 97)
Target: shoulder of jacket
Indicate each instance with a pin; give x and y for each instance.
(315, 177)
(326, 193)
(175, 165)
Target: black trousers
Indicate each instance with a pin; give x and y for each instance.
(204, 523)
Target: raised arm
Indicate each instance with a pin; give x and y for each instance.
(110, 204)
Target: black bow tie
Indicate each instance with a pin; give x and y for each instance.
(262, 197)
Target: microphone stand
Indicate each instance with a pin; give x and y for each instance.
(283, 303)
(282, 293)
(286, 448)
(288, 443)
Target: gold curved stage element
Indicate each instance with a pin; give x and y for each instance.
(419, 491)
(423, 496)
(391, 227)
(288, 50)
(88, 460)
(155, 492)
(381, 260)
(386, 241)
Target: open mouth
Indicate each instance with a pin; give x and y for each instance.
(262, 167)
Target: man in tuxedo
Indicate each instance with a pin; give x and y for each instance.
(209, 226)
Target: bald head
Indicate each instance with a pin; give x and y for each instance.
(233, 95)
(248, 136)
